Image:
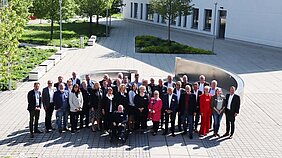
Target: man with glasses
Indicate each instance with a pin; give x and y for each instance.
(48, 104)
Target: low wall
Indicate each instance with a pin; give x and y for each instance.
(224, 78)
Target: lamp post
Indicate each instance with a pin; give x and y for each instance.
(61, 25)
(214, 25)
(107, 14)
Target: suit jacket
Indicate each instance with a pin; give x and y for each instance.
(77, 81)
(46, 97)
(96, 97)
(188, 83)
(56, 85)
(61, 99)
(162, 91)
(32, 100)
(235, 105)
(173, 84)
(198, 100)
(191, 105)
(173, 104)
(106, 104)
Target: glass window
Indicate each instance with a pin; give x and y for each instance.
(150, 15)
(135, 10)
(195, 18)
(131, 9)
(141, 11)
(208, 19)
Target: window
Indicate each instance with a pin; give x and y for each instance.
(135, 10)
(141, 11)
(208, 18)
(149, 13)
(179, 19)
(158, 18)
(185, 21)
(195, 18)
(173, 20)
(131, 7)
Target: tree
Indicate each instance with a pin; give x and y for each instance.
(50, 10)
(13, 18)
(170, 9)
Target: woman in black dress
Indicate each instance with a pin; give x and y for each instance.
(96, 106)
(141, 101)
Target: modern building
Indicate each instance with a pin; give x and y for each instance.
(256, 21)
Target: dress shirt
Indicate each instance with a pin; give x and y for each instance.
(229, 101)
(196, 93)
(37, 97)
(169, 84)
(169, 100)
(51, 94)
(178, 95)
(201, 87)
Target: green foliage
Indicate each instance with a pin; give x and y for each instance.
(151, 44)
(117, 16)
(27, 58)
(13, 17)
(39, 34)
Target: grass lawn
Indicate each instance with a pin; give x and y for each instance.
(117, 16)
(40, 34)
(151, 44)
(27, 59)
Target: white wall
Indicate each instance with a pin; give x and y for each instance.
(257, 21)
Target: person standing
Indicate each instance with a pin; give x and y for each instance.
(76, 104)
(213, 87)
(206, 111)
(96, 106)
(74, 79)
(232, 108)
(136, 80)
(108, 107)
(162, 89)
(89, 82)
(169, 82)
(60, 80)
(188, 110)
(185, 81)
(217, 105)
(48, 104)
(122, 97)
(86, 105)
(34, 106)
(152, 86)
(170, 106)
(155, 109)
(178, 91)
(198, 94)
(202, 83)
(132, 108)
(141, 102)
(61, 102)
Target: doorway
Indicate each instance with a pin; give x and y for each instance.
(222, 23)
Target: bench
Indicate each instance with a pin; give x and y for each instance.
(92, 40)
(48, 64)
(55, 59)
(36, 73)
(61, 53)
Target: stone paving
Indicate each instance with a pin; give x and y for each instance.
(258, 127)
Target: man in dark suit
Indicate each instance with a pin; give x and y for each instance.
(170, 105)
(34, 106)
(185, 81)
(60, 80)
(187, 108)
(231, 111)
(202, 83)
(48, 104)
(197, 93)
(169, 82)
(178, 91)
(74, 79)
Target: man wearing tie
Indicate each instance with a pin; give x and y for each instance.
(170, 105)
(34, 106)
(231, 111)
(48, 104)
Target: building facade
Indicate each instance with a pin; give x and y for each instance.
(255, 21)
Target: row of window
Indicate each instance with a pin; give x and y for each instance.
(150, 17)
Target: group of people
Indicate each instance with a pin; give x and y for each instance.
(119, 105)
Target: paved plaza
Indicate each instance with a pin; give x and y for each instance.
(258, 126)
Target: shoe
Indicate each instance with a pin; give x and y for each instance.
(66, 129)
(37, 131)
(31, 136)
(72, 131)
(218, 135)
(179, 129)
(165, 133)
(231, 136)
(48, 130)
(173, 135)
(183, 133)
(154, 133)
(191, 137)
(93, 129)
(225, 135)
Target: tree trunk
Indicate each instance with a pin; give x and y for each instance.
(52, 29)
(97, 19)
(90, 25)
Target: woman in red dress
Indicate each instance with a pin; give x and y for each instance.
(206, 111)
(155, 108)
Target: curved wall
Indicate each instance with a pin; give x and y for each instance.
(224, 78)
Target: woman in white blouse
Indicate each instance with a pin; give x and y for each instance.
(133, 91)
(76, 103)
